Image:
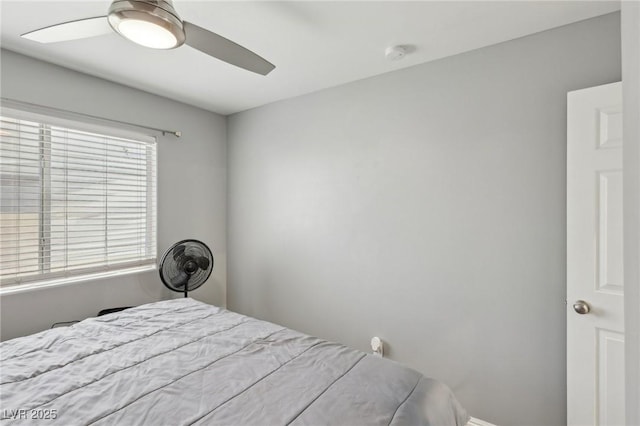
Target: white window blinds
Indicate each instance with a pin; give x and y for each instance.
(73, 202)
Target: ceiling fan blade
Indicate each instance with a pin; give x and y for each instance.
(225, 50)
(72, 30)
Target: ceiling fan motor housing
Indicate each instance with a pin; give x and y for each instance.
(155, 12)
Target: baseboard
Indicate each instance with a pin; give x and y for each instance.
(477, 422)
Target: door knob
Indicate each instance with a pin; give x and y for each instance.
(581, 307)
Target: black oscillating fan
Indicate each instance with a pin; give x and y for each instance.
(186, 266)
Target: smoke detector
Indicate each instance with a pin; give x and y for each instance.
(395, 53)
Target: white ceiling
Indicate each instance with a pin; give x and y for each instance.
(314, 44)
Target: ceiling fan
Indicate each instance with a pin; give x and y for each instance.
(154, 24)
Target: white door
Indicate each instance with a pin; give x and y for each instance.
(595, 339)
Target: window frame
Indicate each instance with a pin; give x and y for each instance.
(66, 277)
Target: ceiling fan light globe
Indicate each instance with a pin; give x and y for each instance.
(147, 34)
(146, 23)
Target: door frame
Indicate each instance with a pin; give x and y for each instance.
(630, 38)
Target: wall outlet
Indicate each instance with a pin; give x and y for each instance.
(377, 345)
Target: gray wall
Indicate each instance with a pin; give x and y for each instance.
(425, 206)
(191, 189)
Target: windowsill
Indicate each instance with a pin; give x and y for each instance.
(60, 282)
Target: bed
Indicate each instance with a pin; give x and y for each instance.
(183, 362)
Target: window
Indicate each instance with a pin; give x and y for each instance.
(76, 201)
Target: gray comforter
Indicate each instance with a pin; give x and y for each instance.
(182, 362)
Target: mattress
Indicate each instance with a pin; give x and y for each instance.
(183, 362)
